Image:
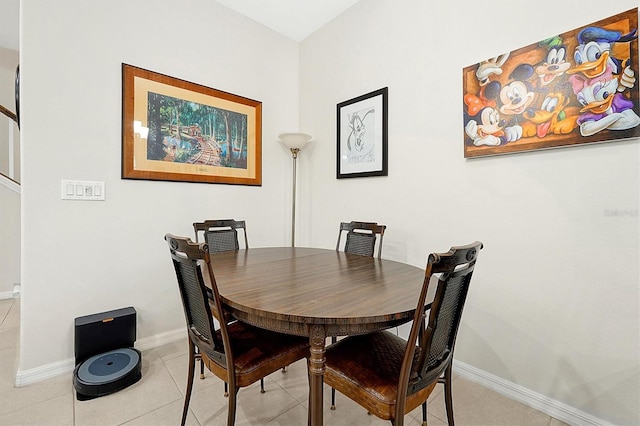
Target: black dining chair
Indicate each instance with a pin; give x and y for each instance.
(390, 376)
(221, 234)
(361, 238)
(237, 353)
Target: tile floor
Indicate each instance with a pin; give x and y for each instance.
(157, 399)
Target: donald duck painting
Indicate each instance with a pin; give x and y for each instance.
(598, 80)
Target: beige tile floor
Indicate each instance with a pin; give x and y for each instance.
(157, 398)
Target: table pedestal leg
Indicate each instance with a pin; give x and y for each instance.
(317, 335)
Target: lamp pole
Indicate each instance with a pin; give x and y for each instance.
(295, 142)
(294, 154)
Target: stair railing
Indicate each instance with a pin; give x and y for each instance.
(9, 176)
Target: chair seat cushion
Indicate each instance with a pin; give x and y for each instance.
(367, 369)
(259, 352)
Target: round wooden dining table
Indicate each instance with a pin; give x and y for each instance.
(316, 293)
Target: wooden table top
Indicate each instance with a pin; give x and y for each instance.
(316, 293)
(296, 287)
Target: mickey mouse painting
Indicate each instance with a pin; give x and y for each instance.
(569, 89)
(483, 123)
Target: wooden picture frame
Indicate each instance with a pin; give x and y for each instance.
(175, 130)
(362, 136)
(574, 88)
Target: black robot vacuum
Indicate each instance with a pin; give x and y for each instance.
(106, 360)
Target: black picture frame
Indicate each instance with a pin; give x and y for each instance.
(362, 135)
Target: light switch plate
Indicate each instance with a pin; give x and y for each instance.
(88, 190)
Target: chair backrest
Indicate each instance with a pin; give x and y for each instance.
(361, 238)
(201, 304)
(221, 234)
(435, 334)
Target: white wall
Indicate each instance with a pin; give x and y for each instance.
(9, 199)
(555, 300)
(85, 257)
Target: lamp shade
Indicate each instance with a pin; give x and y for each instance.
(294, 140)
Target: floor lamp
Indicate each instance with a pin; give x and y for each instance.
(295, 142)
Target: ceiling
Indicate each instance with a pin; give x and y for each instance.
(295, 19)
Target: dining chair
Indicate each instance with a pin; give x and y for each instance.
(237, 353)
(393, 376)
(361, 240)
(221, 234)
(361, 237)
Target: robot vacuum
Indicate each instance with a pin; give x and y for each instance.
(106, 361)
(106, 373)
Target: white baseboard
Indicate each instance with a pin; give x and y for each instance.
(59, 368)
(553, 408)
(11, 184)
(44, 372)
(6, 295)
(162, 339)
(15, 294)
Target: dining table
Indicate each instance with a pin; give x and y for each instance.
(316, 293)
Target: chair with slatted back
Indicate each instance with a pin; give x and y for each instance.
(237, 353)
(221, 234)
(393, 376)
(361, 238)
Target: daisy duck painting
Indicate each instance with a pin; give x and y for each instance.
(569, 89)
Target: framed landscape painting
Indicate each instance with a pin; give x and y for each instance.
(570, 89)
(176, 130)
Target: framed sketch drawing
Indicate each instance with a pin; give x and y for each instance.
(573, 88)
(181, 131)
(362, 136)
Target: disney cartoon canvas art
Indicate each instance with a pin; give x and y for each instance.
(569, 89)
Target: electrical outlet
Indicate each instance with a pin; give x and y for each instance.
(87, 190)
